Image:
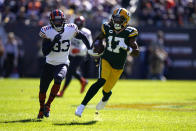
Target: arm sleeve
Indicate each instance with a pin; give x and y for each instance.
(47, 46)
(81, 36)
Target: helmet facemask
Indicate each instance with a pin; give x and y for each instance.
(118, 22)
(58, 23)
(120, 18)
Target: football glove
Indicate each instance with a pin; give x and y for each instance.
(92, 53)
(125, 47)
(57, 38)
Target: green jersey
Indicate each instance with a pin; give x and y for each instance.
(115, 55)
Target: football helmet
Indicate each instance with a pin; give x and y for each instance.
(57, 20)
(79, 21)
(120, 18)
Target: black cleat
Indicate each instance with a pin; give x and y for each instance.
(46, 111)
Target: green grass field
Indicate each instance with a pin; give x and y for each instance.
(134, 105)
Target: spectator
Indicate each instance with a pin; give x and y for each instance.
(157, 57)
(11, 55)
(170, 13)
(1, 55)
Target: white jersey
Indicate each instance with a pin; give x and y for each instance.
(77, 44)
(60, 51)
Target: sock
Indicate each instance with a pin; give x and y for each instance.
(92, 91)
(82, 79)
(42, 97)
(106, 96)
(53, 93)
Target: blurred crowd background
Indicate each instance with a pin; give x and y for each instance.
(21, 20)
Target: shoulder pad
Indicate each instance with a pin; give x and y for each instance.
(73, 26)
(132, 31)
(104, 27)
(43, 31)
(86, 30)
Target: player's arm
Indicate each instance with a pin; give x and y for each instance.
(133, 44)
(97, 46)
(47, 44)
(100, 37)
(82, 37)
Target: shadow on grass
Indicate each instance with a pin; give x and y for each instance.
(76, 123)
(22, 121)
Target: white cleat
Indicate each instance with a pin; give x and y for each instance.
(101, 104)
(79, 110)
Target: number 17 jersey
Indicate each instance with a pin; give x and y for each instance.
(60, 51)
(115, 55)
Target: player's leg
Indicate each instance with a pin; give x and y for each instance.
(111, 81)
(45, 79)
(75, 62)
(59, 75)
(104, 73)
(77, 74)
(67, 81)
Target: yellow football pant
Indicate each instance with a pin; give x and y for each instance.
(110, 74)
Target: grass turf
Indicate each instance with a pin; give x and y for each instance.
(134, 105)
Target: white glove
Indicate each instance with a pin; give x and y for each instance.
(129, 50)
(123, 45)
(92, 53)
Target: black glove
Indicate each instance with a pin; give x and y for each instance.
(57, 38)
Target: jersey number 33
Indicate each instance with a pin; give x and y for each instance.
(61, 46)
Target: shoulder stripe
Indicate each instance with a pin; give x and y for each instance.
(102, 28)
(134, 33)
(41, 34)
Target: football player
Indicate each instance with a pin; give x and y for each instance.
(78, 52)
(55, 46)
(120, 40)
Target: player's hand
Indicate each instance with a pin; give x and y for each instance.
(123, 45)
(92, 53)
(135, 52)
(57, 38)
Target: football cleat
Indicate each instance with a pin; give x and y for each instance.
(79, 110)
(46, 111)
(101, 104)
